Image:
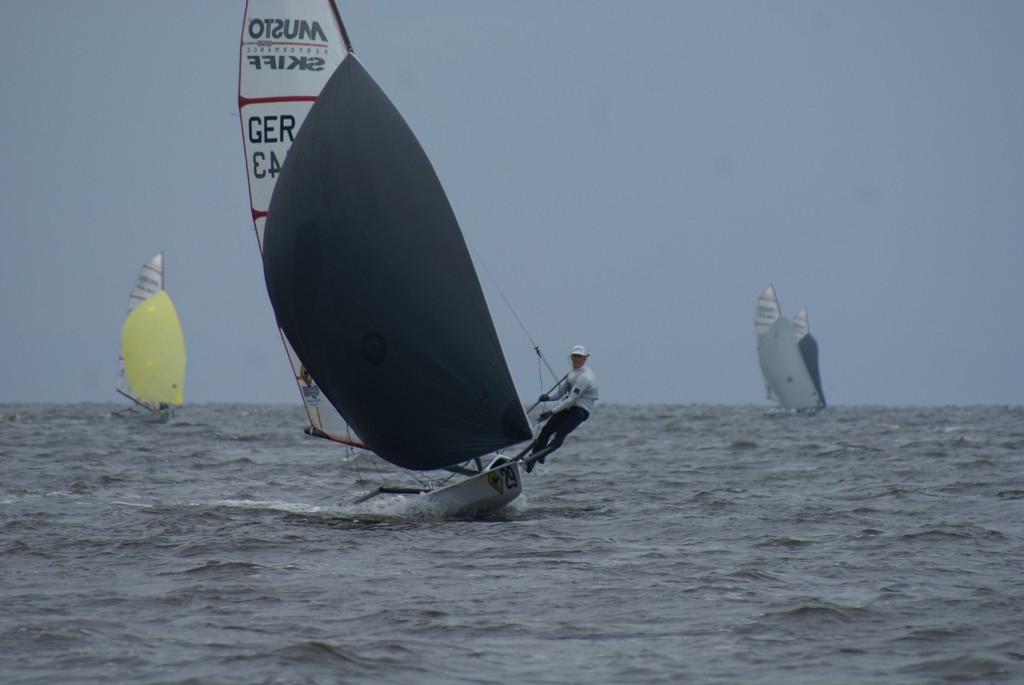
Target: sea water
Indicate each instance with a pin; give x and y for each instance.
(661, 544)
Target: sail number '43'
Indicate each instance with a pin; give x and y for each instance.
(272, 128)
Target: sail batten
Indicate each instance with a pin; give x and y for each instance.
(373, 284)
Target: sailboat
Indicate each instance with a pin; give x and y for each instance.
(370, 278)
(151, 367)
(788, 355)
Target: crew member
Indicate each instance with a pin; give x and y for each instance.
(576, 394)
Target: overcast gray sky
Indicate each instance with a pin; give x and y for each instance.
(631, 174)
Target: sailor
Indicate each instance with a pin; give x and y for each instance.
(577, 393)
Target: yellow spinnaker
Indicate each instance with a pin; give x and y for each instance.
(154, 351)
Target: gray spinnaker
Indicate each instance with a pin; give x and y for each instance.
(788, 355)
(372, 283)
(784, 368)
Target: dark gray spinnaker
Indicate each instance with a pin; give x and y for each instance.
(372, 283)
(809, 352)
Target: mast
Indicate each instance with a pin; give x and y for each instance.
(341, 27)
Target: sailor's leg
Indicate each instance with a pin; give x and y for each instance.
(561, 424)
(574, 416)
(546, 432)
(532, 460)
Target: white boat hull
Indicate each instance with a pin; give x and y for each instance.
(491, 489)
(488, 490)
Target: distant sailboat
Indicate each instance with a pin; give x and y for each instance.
(151, 368)
(372, 283)
(788, 355)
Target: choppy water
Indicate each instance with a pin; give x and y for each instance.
(696, 544)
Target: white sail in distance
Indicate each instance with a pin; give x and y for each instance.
(788, 356)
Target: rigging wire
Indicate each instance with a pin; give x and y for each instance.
(536, 348)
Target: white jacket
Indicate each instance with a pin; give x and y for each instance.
(578, 389)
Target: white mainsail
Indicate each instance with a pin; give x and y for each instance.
(289, 49)
(800, 327)
(767, 313)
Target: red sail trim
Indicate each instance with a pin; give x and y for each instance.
(243, 101)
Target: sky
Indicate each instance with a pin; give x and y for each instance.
(629, 176)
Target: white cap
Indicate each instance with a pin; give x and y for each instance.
(579, 349)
